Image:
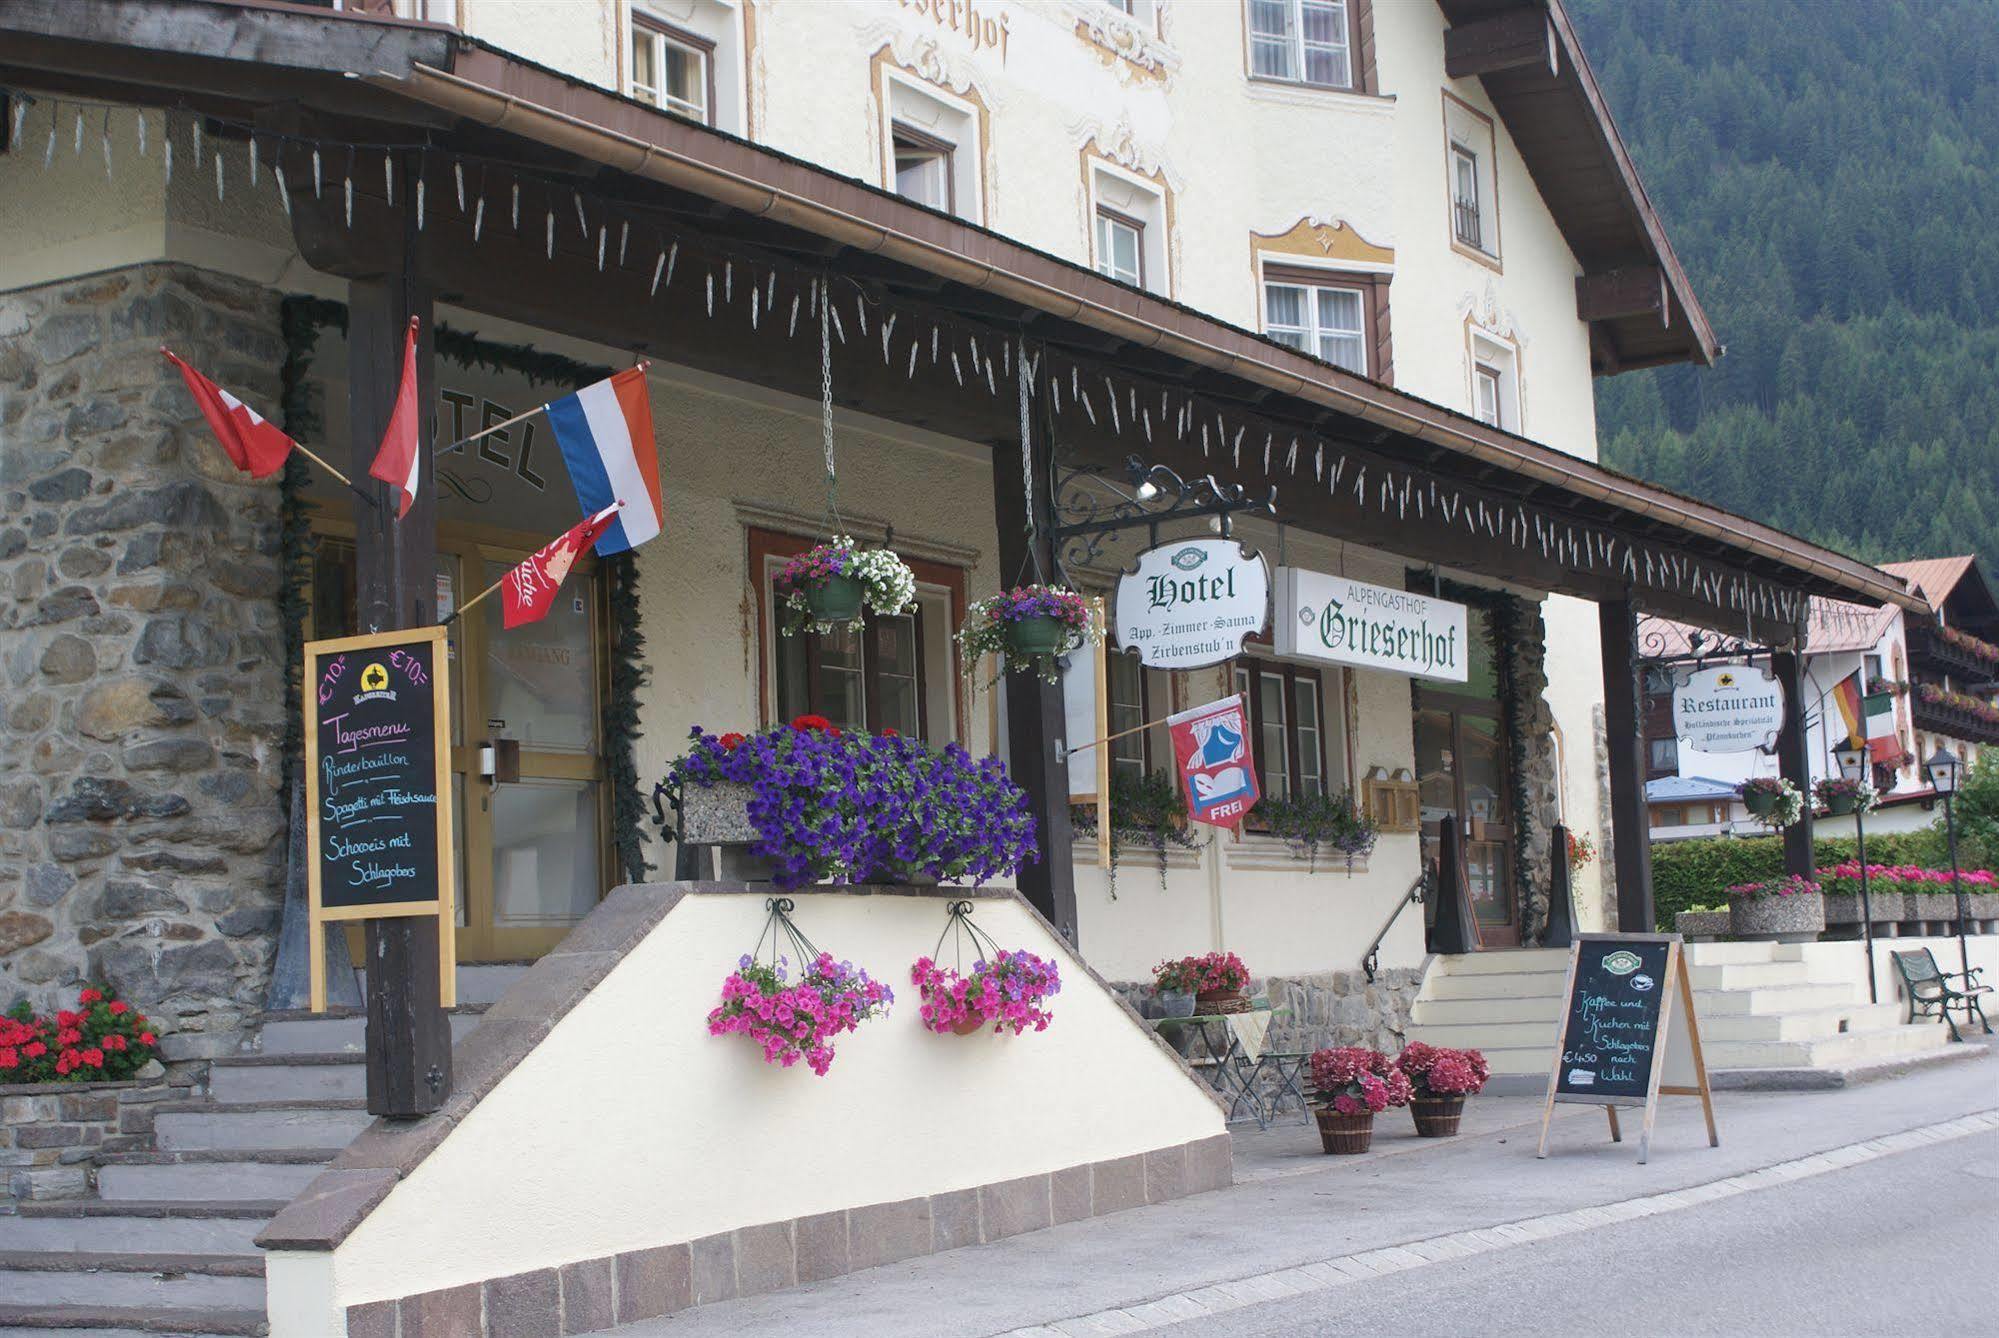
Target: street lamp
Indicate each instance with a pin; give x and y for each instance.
(1943, 768)
(1852, 761)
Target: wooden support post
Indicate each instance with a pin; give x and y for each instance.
(1034, 713)
(409, 1035)
(1793, 762)
(1623, 711)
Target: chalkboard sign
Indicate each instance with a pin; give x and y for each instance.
(1610, 1027)
(378, 783)
(1627, 1022)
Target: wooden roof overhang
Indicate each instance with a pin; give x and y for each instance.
(413, 83)
(1639, 304)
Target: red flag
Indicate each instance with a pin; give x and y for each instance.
(399, 461)
(256, 447)
(529, 589)
(1211, 753)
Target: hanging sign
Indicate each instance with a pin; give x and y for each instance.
(1326, 617)
(1190, 603)
(1729, 708)
(1211, 757)
(378, 787)
(1619, 1033)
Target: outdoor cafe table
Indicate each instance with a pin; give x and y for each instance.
(1232, 1055)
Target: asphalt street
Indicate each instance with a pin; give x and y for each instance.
(1904, 1244)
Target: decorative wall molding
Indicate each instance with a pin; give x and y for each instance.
(1324, 239)
(1127, 46)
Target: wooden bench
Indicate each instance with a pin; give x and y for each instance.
(1932, 995)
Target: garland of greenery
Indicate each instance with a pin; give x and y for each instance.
(303, 319)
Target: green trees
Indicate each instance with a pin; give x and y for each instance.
(1829, 173)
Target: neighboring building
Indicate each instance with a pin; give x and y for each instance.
(1373, 255)
(1941, 673)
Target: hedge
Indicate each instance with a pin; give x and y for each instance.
(1699, 871)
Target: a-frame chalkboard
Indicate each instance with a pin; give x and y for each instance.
(1617, 1036)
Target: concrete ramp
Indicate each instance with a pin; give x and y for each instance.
(604, 1159)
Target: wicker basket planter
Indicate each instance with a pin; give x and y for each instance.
(1209, 1002)
(1437, 1116)
(1345, 1135)
(1791, 919)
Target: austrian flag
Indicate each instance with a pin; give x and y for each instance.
(255, 446)
(399, 461)
(529, 589)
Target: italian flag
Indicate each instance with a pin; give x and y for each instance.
(1870, 718)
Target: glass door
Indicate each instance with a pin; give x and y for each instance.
(531, 852)
(1464, 776)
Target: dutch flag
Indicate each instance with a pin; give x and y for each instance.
(605, 432)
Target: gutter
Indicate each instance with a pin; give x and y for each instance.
(545, 125)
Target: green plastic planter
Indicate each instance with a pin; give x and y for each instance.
(837, 599)
(1036, 636)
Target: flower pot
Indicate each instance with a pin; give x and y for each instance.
(1173, 1003)
(1762, 803)
(1039, 635)
(1839, 805)
(836, 599)
(1221, 1001)
(969, 1025)
(1697, 926)
(1793, 919)
(1437, 1116)
(716, 815)
(1345, 1134)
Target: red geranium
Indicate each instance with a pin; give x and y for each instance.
(118, 1007)
(88, 997)
(105, 1039)
(814, 724)
(730, 741)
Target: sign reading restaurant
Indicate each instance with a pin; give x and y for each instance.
(1190, 603)
(1324, 617)
(1729, 708)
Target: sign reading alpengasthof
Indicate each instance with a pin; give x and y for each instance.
(1324, 617)
(1190, 603)
(1729, 708)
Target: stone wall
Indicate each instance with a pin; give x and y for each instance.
(1326, 1008)
(51, 1134)
(1540, 778)
(141, 666)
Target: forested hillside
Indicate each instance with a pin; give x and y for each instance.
(1828, 171)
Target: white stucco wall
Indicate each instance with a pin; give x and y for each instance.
(566, 1160)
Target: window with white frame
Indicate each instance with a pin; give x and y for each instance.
(1126, 702)
(1495, 382)
(933, 139)
(1325, 318)
(685, 57)
(1303, 41)
(1288, 719)
(1470, 188)
(1120, 247)
(1128, 228)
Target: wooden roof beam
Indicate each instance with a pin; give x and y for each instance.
(1522, 39)
(1635, 290)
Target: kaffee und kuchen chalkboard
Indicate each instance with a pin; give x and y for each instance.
(1610, 1022)
(378, 782)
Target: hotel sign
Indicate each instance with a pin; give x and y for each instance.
(1730, 708)
(1190, 603)
(1323, 617)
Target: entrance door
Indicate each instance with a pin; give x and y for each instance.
(532, 853)
(1465, 777)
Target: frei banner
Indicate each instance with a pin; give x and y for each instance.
(1334, 618)
(1212, 759)
(1190, 603)
(1728, 708)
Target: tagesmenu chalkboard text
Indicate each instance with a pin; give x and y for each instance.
(378, 779)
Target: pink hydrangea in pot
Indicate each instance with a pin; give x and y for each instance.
(1351, 1085)
(1439, 1082)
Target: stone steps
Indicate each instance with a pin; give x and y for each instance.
(205, 1180)
(1490, 985)
(337, 1034)
(213, 1227)
(1798, 1024)
(1832, 1052)
(28, 1321)
(256, 1126)
(302, 1077)
(49, 1283)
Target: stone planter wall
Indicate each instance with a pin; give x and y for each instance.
(1326, 1009)
(1697, 925)
(52, 1133)
(142, 675)
(1785, 919)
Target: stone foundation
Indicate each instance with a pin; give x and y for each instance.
(1328, 1008)
(51, 1134)
(141, 666)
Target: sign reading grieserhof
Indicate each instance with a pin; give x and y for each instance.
(1190, 603)
(1728, 708)
(1335, 618)
(378, 775)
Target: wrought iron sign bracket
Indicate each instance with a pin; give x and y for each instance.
(1156, 495)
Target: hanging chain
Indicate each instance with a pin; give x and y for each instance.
(780, 932)
(826, 377)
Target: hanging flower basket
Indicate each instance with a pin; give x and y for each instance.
(822, 804)
(1352, 1084)
(1773, 801)
(1840, 796)
(795, 1019)
(1031, 627)
(829, 585)
(1004, 987)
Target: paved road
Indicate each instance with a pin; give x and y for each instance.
(1858, 1251)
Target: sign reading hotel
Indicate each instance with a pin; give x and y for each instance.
(1190, 603)
(1730, 708)
(1324, 617)
(377, 787)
